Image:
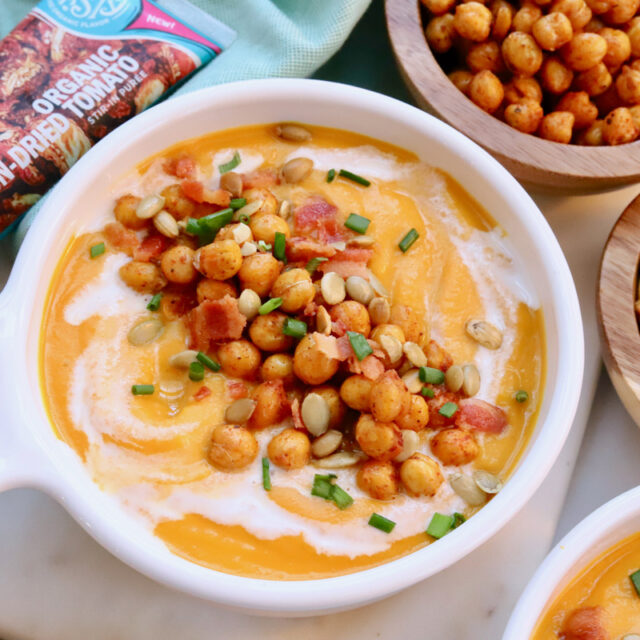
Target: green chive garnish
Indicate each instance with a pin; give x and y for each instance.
(340, 497)
(323, 487)
(237, 203)
(354, 177)
(359, 345)
(440, 525)
(635, 580)
(269, 306)
(428, 392)
(244, 218)
(280, 246)
(264, 246)
(331, 175)
(382, 523)
(431, 375)
(448, 409)
(314, 263)
(142, 389)
(231, 165)
(192, 228)
(207, 227)
(266, 477)
(458, 519)
(204, 359)
(196, 371)
(357, 223)
(294, 328)
(154, 303)
(521, 396)
(408, 240)
(97, 250)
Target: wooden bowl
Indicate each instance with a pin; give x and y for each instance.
(527, 157)
(616, 295)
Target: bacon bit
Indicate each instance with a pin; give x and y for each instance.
(150, 248)
(311, 309)
(338, 328)
(371, 367)
(481, 416)
(297, 415)
(237, 390)
(195, 190)
(184, 167)
(437, 420)
(260, 179)
(350, 262)
(201, 393)
(344, 347)
(377, 349)
(585, 624)
(304, 249)
(121, 238)
(317, 218)
(215, 320)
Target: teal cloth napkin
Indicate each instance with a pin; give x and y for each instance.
(276, 38)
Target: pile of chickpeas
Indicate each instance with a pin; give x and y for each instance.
(565, 70)
(341, 419)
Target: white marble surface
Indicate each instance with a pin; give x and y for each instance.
(57, 583)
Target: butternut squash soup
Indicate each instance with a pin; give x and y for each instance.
(602, 602)
(294, 352)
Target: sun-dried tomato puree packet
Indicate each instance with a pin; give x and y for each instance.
(73, 70)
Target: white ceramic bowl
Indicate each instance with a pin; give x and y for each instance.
(606, 526)
(31, 455)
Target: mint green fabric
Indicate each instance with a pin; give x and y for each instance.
(276, 38)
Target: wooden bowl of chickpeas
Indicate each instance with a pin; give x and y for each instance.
(551, 88)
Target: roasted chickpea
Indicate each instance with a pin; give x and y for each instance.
(290, 449)
(239, 359)
(144, 277)
(622, 11)
(438, 357)
(618, 47)
(608, 101)
(592, 136)
(557, 126)
(598, 7)
(125, 212)
(524, 116)
(337, 408)
(486, 91)
(295, 288)
(502, 18)
(438, 7)
(176, 203)
(279, 366)
(177, 264)
(229, 231)
(594, 81)
(473, 21)
(387, 397)
(440, 33)
(462, 80)
(485, 55)
(259, 272)
(521, 88)
(378, 479)
(633, 33)
(272, 404)
(455, 446)
(578, 103)
(353, 315)
(410, 320)
(174, 304)
(526, 17)
(356, 392)
(310, 364)
(414, 415)
(421, 475)
(552, 31)
(521, 53)
(264, 227)
(379, 440)
(576, 10)
(214, 290)
(391, 330)
(619, 127)
(269, 203)
(219, 260)
(628, 85)
(232, 447)
(232, 182)
(584, 51)
(555, 76)
(635, 114)
(594, 25)
(266, 332)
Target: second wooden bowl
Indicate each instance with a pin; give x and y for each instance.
(527, 157)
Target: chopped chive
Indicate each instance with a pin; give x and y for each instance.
(142, 389)
(294, 328)
(354, 177)
(408, 240)
(192, 228)
(237, 203)
(96, 250)
(314, 263)
(382, 523)
(244, 218)
(359, 345)
(269, 306)
(204, 359)
(440, 525)
(196, 371)
(264, 246)
(154, 303)
(428, 392)
(331, 175)
(458, 519)
(431, 375)
(323, 487)
(357, 223)
(448, 409)
(207, 227)
(280, 246)
(521, 396)
(231, 165)
(341, 498)
(635, 580)
(266, 477)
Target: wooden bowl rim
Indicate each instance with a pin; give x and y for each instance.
(599, 164)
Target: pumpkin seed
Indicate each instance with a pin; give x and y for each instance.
(631, 636)
(144, 332)
(484, 333)
(362, 241)
(285, 209)
(415, 354)
(323, 321)
(379, 311)
(183, 359)
(471, 384)
(410, 444)
(339, 245)
(231, 182)
(315, 414)
(326, 444)
(488, 482)
(241, 233)
(454, 378)
(171, 389)
(248, 210)
(149, 206)
(467, 489)
(166, 224)
(333, 288)
(339, 460)
(378, 287)
(248, 303)
(240, 411)
(359, 289)
(296, 170)
(412, 381)
(293, 132)
(248, 249)
(392, 347)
